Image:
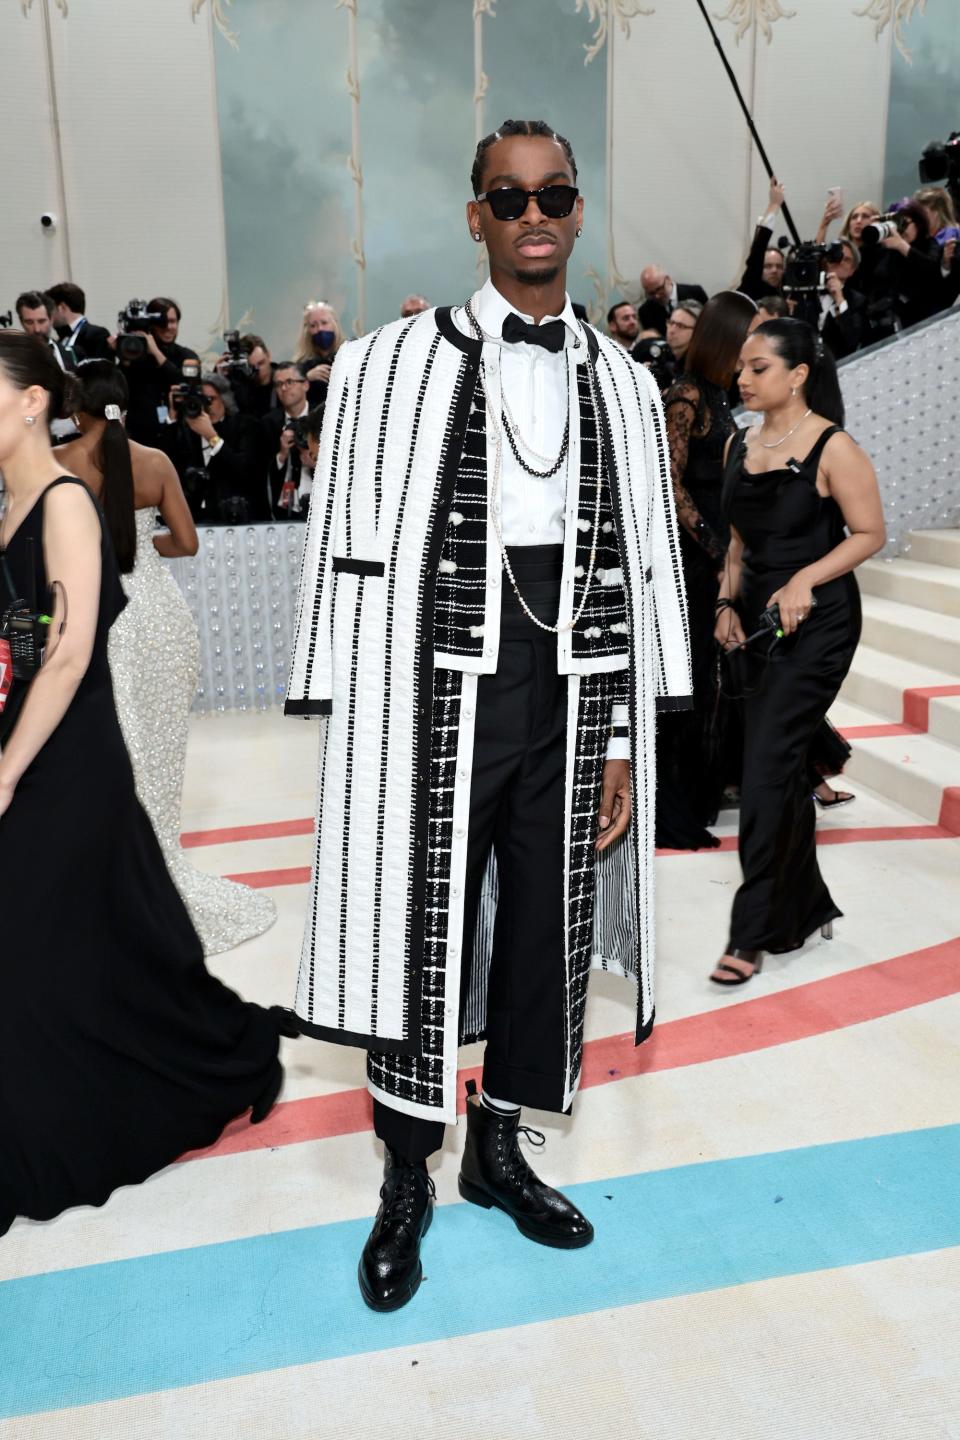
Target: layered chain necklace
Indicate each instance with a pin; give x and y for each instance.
(503, 424)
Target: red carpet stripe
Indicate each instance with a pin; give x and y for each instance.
(272, 830)
(876, 732)
(948, 829)
(817, 1008)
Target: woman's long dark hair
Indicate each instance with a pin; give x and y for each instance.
(716, 342)
(797, 343)
(102, 384)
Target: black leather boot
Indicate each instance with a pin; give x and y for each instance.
(494, 1172)
(390, 1270)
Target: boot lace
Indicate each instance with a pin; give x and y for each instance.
(398, 1197)
(510, 1158)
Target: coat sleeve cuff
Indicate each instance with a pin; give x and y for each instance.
(308, 707)
(668, 703)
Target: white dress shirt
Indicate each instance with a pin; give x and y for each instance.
(535, 384)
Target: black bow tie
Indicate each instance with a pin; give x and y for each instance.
(549, 336)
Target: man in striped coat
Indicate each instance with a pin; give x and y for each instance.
(491, 609)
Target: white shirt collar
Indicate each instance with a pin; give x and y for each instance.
(491, 309)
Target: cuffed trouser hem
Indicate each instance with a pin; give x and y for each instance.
(524, 1087)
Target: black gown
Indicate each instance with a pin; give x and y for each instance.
(118, 1050)
(785, 524)
(692, 744)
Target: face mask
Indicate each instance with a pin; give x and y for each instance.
(323, 339)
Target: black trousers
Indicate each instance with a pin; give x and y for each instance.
(517, 805)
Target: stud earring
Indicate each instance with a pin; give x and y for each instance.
(477, 235)
(30, 419)
(579, 233)
(793, 391)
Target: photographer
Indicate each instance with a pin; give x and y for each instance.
(80, 339)
(763, 272)
(942, 219)
(843, 320)
(283, 440)
(321, 336)
(247, 364)
(215, 451)
(150, 376)
(905, 286)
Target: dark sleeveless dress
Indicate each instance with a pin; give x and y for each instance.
(118, 1051)
(785, 525)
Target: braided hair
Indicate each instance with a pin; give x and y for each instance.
(539, 128)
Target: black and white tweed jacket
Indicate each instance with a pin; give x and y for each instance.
(397, 619)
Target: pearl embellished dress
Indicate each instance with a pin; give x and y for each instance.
(154, 659)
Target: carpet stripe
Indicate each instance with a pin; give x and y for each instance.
(817, 1008)
(101, 1332)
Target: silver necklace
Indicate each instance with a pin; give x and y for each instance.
(493, 502)
(772, 444)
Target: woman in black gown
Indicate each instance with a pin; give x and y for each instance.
(799, 528)
(690, 744)
(118, 1051)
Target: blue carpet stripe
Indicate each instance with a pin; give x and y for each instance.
(101, 1332)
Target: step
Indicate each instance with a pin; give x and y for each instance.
(935, 547)
(877, 681)
(911, 770)
(912, 633)
(945, 719)
(913, 582)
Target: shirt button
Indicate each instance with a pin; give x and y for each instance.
(448, 1010)
(455, 890)
(453, 949)
(468, 714)
(464, 774)
(459, 834)
(488, 650)
(493, 584)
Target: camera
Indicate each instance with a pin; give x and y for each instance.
(657, 356)
(6, 320)
(132, 324)
(48, 220)
(941, 161)
(299, 431)
(236, 362)
(882, 228)
(187, 398)
(804, 271)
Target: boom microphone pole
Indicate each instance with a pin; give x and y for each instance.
(747, 116)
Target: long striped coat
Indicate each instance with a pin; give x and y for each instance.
(398, 615)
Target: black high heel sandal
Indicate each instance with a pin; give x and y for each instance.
(737, 977)
(840, 798)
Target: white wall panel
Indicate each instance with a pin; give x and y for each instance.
(29, 256)
(687, 185)
(136, 92)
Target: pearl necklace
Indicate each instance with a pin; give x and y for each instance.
(493, 501)
(772, 444)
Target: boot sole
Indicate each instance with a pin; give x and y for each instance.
(476, 1196)
(397, 1302)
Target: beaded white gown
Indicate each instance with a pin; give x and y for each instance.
(154, 660)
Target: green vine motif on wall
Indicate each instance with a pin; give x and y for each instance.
(895, 13)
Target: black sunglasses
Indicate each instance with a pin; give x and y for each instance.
(554, 201)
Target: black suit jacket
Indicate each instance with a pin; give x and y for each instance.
(843, 334)
(271, 426)
(654, 315)
(90, 343)
(753, 283)
(232, 475)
